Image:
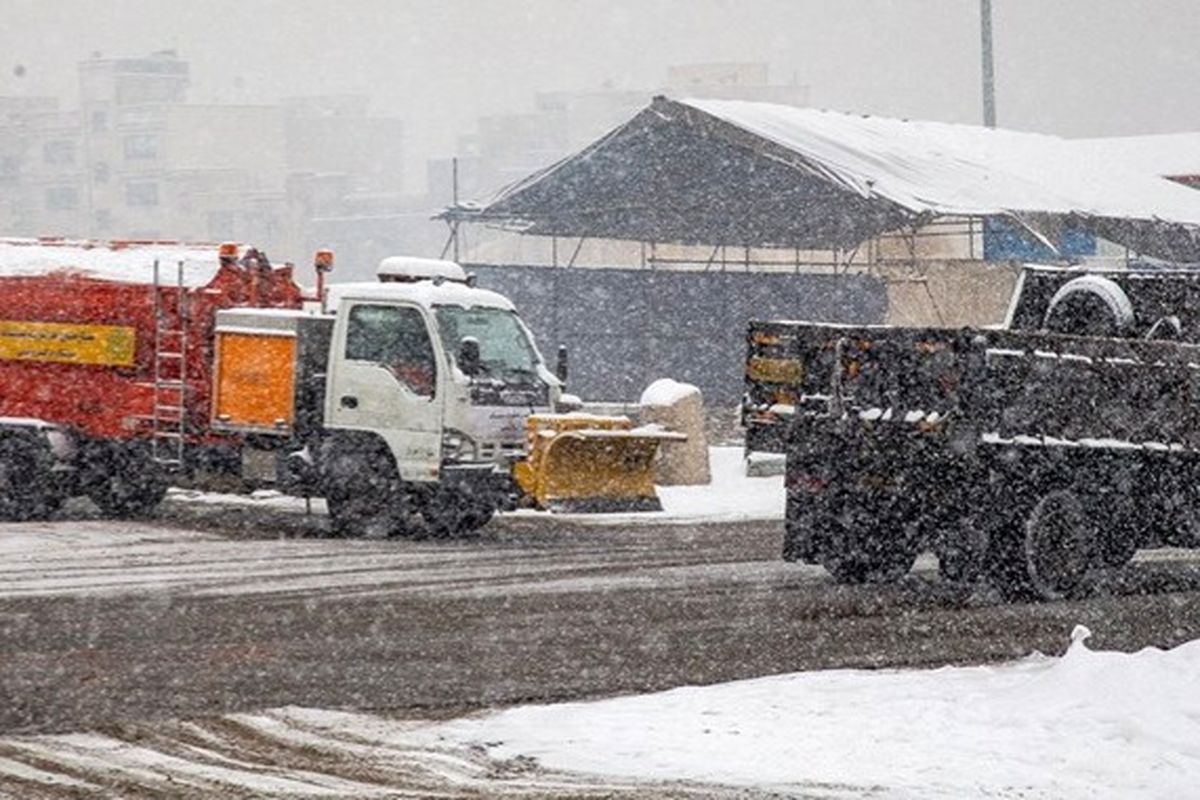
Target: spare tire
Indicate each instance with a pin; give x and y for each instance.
(1090, 306)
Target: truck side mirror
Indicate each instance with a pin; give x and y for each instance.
(560, 370)
(468, 356)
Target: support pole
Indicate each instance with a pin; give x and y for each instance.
(989, 74)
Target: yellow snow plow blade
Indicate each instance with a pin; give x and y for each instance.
(583, 462)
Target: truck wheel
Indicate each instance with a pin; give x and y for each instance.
(859, 549)
(449, 513)
(364, 493)
(128, 483)
(1050, 555)
(356, 514)
(25, 491)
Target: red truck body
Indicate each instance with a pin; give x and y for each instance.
(78, 346)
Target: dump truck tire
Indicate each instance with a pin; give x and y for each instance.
(1049, 554)
(1090, 305)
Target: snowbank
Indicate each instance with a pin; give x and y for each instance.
(1089, 724)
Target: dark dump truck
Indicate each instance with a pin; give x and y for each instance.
(1029, 455)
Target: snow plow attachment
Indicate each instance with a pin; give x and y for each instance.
(588, 463)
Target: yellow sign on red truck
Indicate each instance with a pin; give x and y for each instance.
(67, 343)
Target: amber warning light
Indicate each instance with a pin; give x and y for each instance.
(323, 261)
(228, 251)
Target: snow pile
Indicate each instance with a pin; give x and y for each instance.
(666, 392)
(1089, 724)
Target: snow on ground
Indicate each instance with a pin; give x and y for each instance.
(730, 497)
(1090, 724)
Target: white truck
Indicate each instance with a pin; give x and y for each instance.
(393, 400)
(429, 383)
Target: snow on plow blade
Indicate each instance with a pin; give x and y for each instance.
(582, 462)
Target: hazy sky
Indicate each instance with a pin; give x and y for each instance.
(1075, 67)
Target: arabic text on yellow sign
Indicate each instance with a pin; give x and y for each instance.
(109, 345)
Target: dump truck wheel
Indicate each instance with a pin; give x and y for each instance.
(25, 492)
(128, 483)
(1059, 545)
(1048, 555)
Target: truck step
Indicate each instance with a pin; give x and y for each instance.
(167, 435)
(169, 355)
(169, 384)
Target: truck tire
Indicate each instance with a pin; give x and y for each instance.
(124, 481)
(448, 514)
(25, 490)
(1048, 555)
(859, 547)
(363, 492)
(1090, 305)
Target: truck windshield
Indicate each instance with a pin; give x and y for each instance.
(504, 347)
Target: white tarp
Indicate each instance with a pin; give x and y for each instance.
(965, 170)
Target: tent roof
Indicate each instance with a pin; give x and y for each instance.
(1168, 154)
(735, 172)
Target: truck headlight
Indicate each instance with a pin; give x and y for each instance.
(457, 446)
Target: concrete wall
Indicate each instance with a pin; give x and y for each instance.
(950, 293)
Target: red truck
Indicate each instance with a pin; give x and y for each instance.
(106, 364)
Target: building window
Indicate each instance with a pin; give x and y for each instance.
(100, 172)
(62, 198)
(99, 121)
(141, 146)
(141, 193)
(59, 151)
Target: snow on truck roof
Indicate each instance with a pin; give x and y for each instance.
(424, 293)
(109, 261)
(414, 268)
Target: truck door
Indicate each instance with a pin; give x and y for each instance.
(384, 377)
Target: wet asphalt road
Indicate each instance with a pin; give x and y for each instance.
(210, 610)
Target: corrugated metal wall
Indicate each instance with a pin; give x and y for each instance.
(626, 328)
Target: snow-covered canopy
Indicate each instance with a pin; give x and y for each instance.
(735, 172)
(1173, 155)
(119, 262)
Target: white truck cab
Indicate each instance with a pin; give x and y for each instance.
(440, 371)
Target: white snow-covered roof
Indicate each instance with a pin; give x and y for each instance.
(730, 172)
(1167, 154)
(424, 293)
(414, 268)
(123, 263)
(967, 170)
